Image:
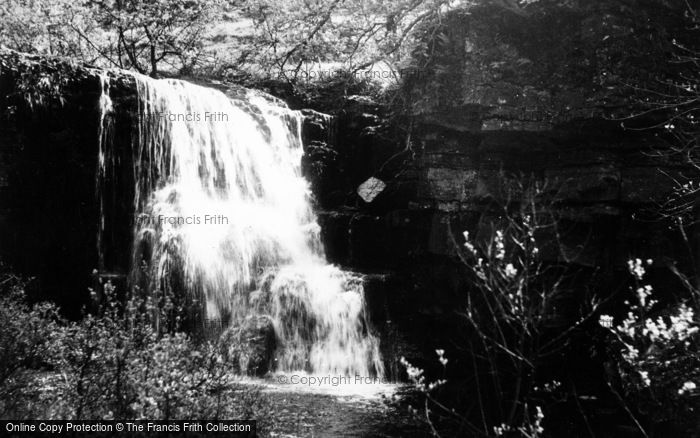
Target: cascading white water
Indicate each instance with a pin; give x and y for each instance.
(221, 198)
(104, 127)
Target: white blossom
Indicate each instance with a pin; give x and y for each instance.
(500, 246)
(687, 387)
(635, 267)
(441, 356)
(470, 247)
(643, 293)
(645, 378)
(606, 321)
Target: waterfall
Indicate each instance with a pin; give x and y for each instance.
(104, 136)
(221, 201)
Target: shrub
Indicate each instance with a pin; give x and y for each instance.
(656, 356)
(27, 337)
(513, 328)
(117, 363)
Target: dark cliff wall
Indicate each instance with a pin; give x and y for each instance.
(498, 96)
(49, 123)
(49, 144)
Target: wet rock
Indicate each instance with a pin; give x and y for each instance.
(251, 345)
(49, 124)
(315, 126)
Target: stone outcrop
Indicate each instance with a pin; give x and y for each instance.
(506, 96)
(251, 346)
(48, 153)
(501, 97)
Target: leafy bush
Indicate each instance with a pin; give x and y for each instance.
(27, 338)
(118, 363)
(656, 354)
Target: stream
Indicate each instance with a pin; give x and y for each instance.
(341, 411)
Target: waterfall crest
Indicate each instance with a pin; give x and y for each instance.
(220, 198)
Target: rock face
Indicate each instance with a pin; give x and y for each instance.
(48, 161)
(251, 346)
(504, 97)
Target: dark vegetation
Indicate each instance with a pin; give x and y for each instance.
(121, 361)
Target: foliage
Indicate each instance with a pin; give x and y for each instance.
(512, 316)
(296, 35)
(297, 40)
(121, 362)
(656, 349)
(143, 34)
(41, 27)
(27, 338)
(670, 105)
(516, 330)
(302, 40)
(656, 353)
(140, 35)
